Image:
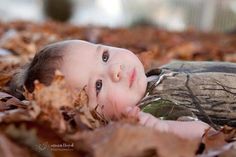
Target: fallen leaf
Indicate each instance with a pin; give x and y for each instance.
(10, 149)
(65, 106)
(14, 110)
(123, 139)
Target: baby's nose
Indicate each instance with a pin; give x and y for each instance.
(115, 72)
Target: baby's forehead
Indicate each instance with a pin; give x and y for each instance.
(84, 45)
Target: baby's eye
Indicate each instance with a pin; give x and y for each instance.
(98, 86)
(105, 56)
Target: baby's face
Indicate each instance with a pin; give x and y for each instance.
(113, 78)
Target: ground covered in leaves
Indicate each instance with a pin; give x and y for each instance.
(51, 122)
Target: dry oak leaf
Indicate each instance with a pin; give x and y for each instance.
(122, 139)
(227, 150)
(87, 114)
(27, 138)
(18, 43)
(147, 58)
(57, 102)
(8, 66)
(14, 110)
(55, 95)
(51, 99)
(214, 140)
(11, 149)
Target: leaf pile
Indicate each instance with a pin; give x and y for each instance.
(65, 106)
(54, 122)
(22, 39)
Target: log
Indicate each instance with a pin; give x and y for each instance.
(208, 89)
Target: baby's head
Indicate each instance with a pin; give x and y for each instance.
(113, 78)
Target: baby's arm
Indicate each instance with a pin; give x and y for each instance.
(188, 129)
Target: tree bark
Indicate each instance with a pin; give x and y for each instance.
(208, 89)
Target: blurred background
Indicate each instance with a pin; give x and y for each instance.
(156, 30)
(174, 15)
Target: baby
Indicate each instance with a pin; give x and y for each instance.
(114, 79)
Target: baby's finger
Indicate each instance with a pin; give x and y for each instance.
(143, 118)
(132, 111)
(151, 122)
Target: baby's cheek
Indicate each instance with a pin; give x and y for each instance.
(122, 101)
(116, 104)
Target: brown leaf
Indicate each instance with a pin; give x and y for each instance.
(87, 114)
(8, 102)
(229, 133)
(213, 139)
(65, 106)
(50, 99)
(55, 95)
(27, 138)
(8, 66)
(17, 43)
(216, 139)
(122, 139)
(227, 150)
(14, 110)
(147, 58)
(11, 149)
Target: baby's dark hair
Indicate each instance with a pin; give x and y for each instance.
(41, 68)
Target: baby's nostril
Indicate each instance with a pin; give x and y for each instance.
(118, 76)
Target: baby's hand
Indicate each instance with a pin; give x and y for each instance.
(189, 129)
(146, 119)
(132, 112)
(149, 120)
